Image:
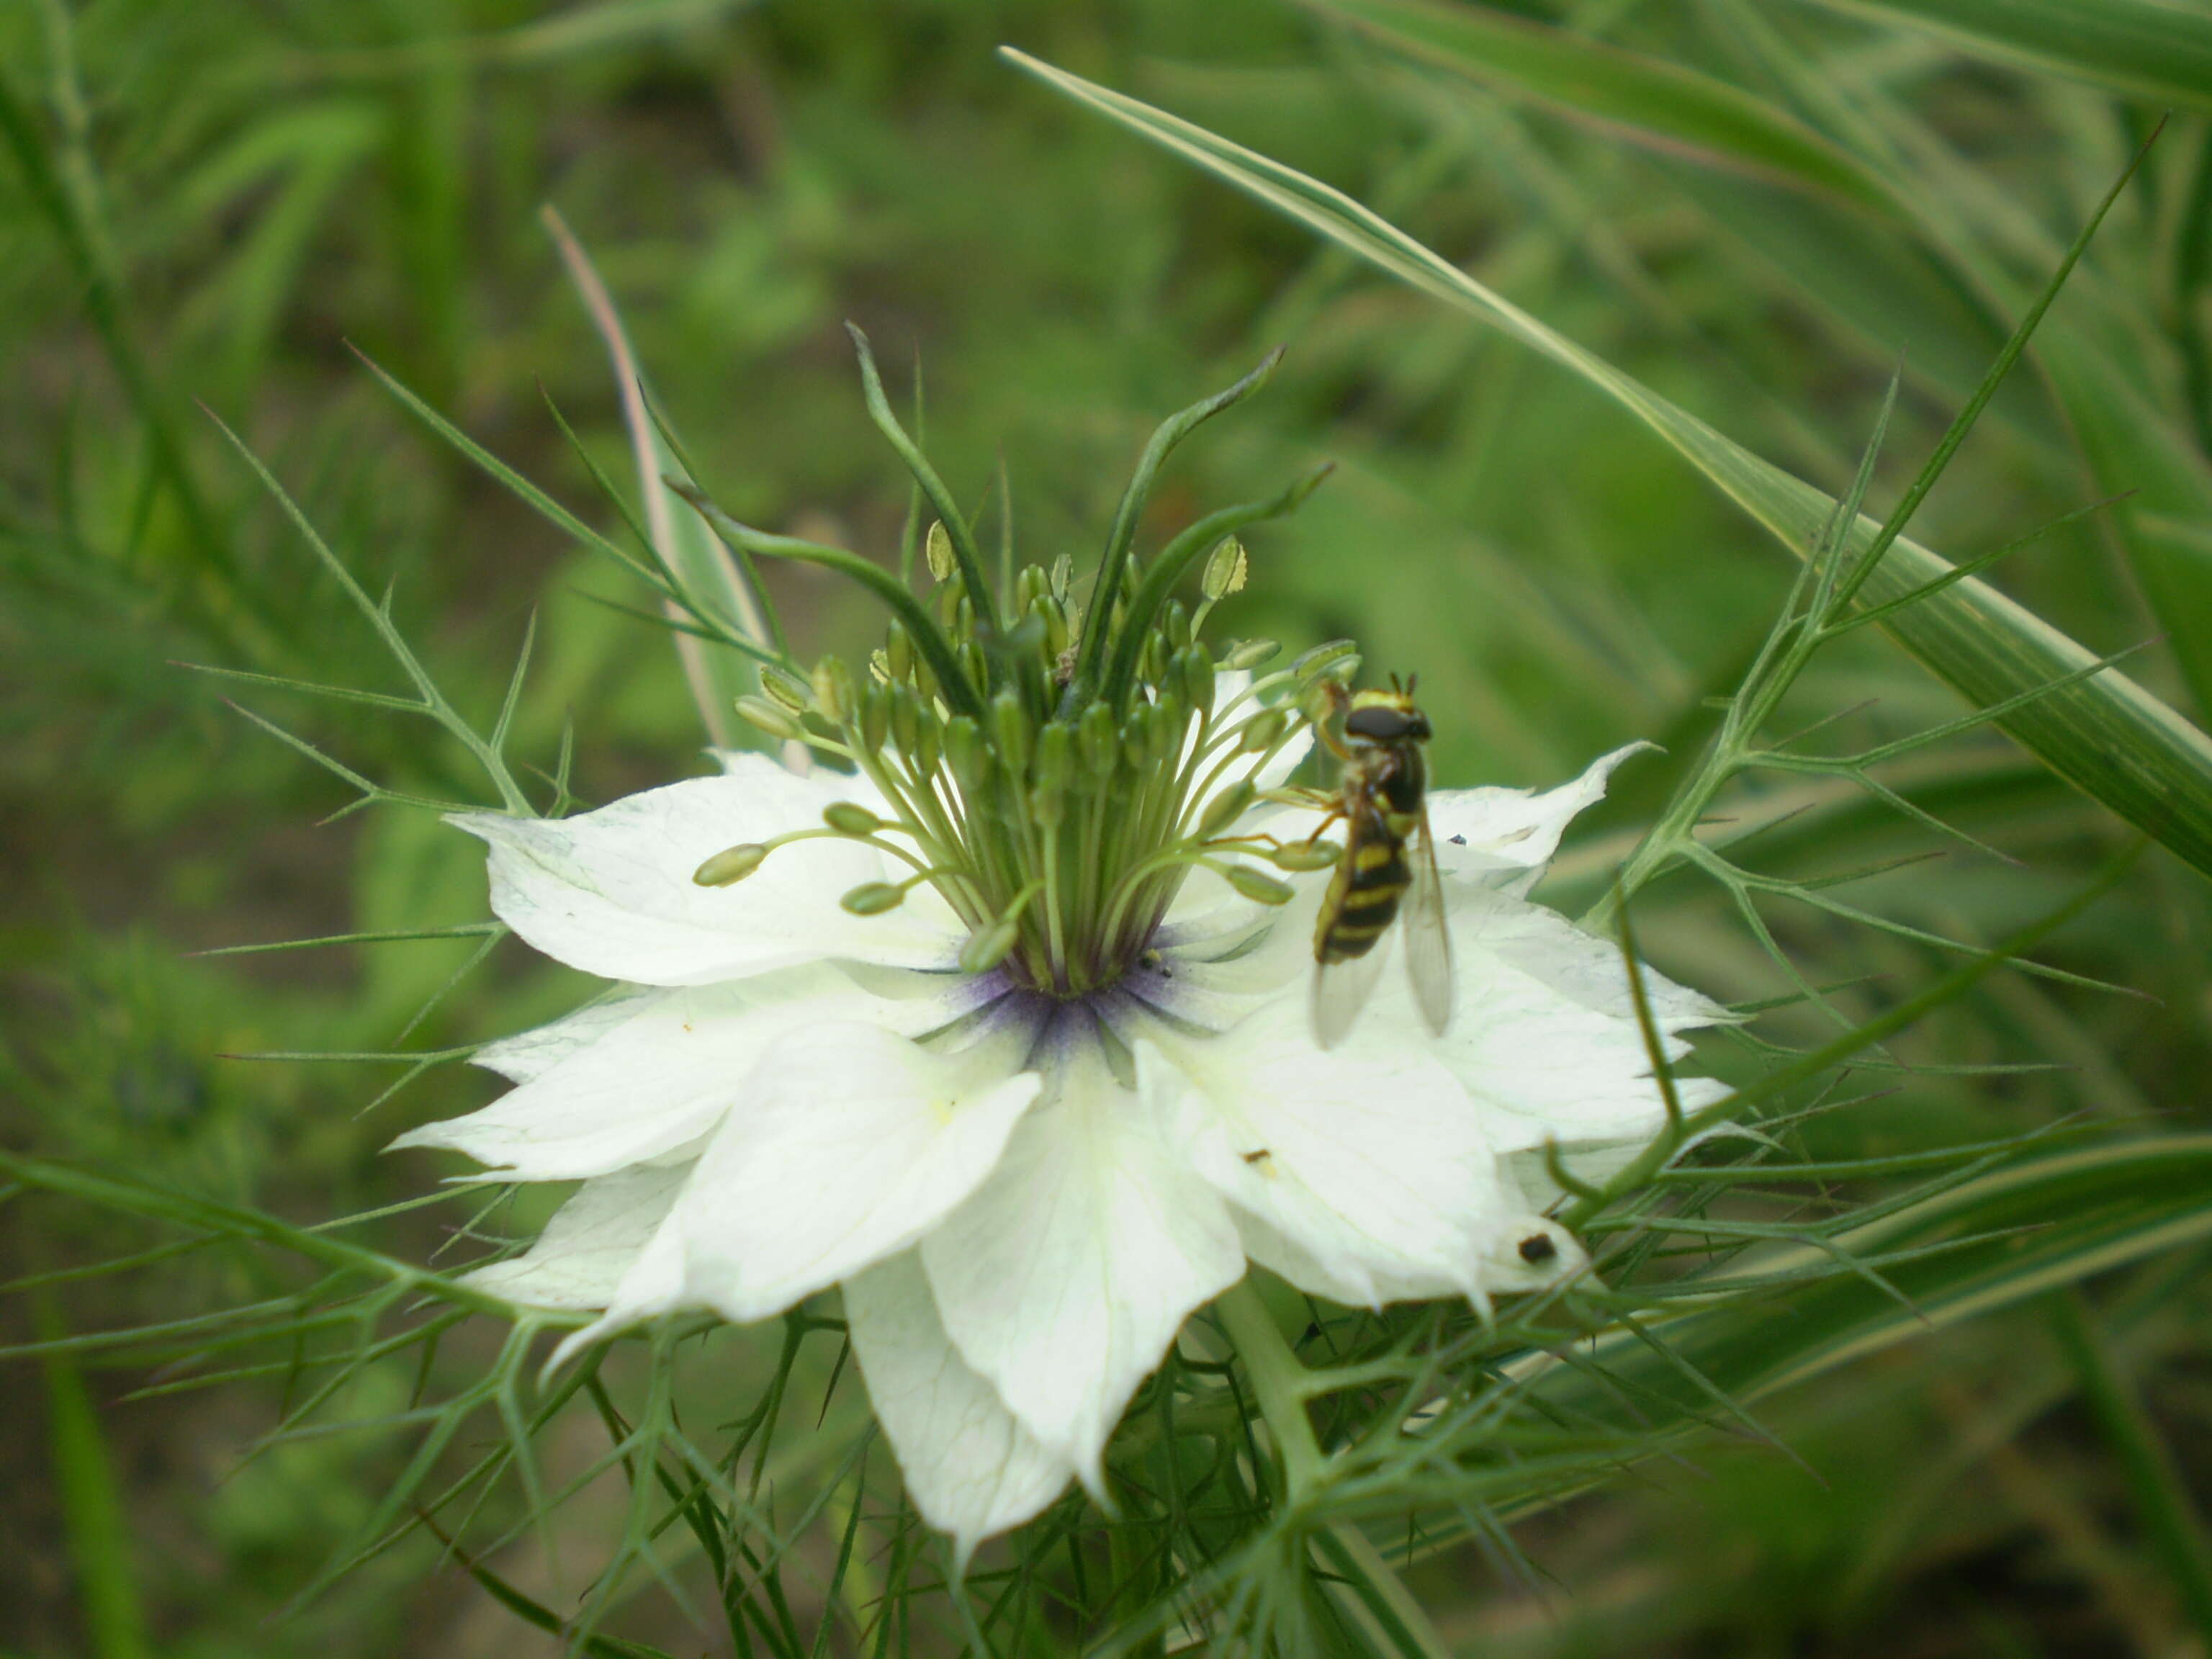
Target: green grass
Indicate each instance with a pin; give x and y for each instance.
(1600, 322)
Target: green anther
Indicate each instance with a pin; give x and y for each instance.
(939, 552)
(1011, 732)
(972, 663)
(948, 600)
(964, 619)
(1303, 855)
(1175, 623)
(879, 667)
(970, 756)
(731, 865)
(906, 719)
(928, 742)
(1049, 807)
(1195, 673)
(1261, 889)
(873, 898)
(1337, 657)
(1152, 663)
(1063, 576)
(771, 717)
(1164, 733)
(1225, 809)
(1055, 756)
(1058, 631)
(1226, 567)
(875, 718)
(1029, 587)
(986, 949)
(1251, 653)
(898, 650)
(850, 818)
(833, 690)
(787, 689)
(1136, 739)
(1263, 731)
(1097, 742)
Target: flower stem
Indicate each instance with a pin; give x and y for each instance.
(1278, 1379)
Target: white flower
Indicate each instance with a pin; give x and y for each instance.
(1025, 1177)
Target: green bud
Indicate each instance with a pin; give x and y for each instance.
(875, 718)
(1095, 739)
(1302, 855)
(1258, 888)
(771, 717)
(730, 866)
(850, 818)
(1251, 654)
(1223, 810)
(1338, 659)
(873, 898)
(937, 548)
(986, 949)
(833, 690)
(785, 689)
(1011, 730)
(1225, 570)
(970, 756)
(1175, 623)
(1194, 669)
(898, 650)
(1055, 756)
(1263, 732)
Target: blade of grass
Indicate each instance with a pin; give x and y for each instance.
(92, 1510)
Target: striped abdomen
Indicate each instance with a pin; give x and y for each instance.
(1364, 893)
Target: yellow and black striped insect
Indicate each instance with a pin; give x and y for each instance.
(1389, 865)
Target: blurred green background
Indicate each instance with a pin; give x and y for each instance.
(208, 202)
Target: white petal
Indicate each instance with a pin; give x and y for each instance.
(529, 1054)
(1505, 836)
(970, 1466)
(1365, 1167)
(850, 1146)
(1581, 967)
(1068, 1274)
(645, 1076)
(590, 1243)
(610, 891)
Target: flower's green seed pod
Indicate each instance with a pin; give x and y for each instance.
(771, 717)
(1263, 731)
(937, 548)
(906, 719)
(1011, 731)
(785, 689)
(1194, 669)
(1251, 653)
(986, 949)
(1225, 808)
(731, 865)
(875, 718)
(1175, 623)
(833, 690)
(1055, 756)
(1301, 855)
(969, 755)
(1258, 888)
(1225, 570)
(1338, 657)
(1097, 742)
(873, 898)
(898, 650)
(851, 818)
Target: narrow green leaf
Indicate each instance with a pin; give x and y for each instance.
(1652, 101)
(2148, 47)
(92, 1510)
(2106, 734)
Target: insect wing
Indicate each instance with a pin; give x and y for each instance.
(1340, 990)
(1428, 944)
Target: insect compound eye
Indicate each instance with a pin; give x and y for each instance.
(1538, 1247)
(1380, 722)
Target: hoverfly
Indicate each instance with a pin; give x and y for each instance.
(1389, 857)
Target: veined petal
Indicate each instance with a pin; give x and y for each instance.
(970, 1466)
(1505, 837)
(529, 1054)
(1581, 967)
(1067, 1275)
(644, 1075)
(1367, 1161)
(852, 1144)
(590, 1243)
(610, 891)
